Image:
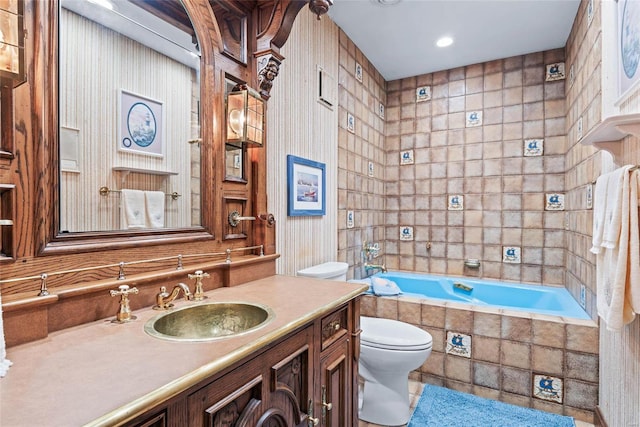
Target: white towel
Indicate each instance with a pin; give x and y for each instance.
(614, 210)
(617, 263)
(154, 206)
(132, 211)
(4, 362)
(384, 287)
(599, 207)
(633, 284)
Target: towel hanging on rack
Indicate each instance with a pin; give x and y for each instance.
(154, 206)
(132, 209)
(618, 255)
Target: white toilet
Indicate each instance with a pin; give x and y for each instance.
(328, 270)
(389, 350)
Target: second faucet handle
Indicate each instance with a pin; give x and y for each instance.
(198, 293)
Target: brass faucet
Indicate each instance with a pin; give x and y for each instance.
(380, 267)
(198, 293)
(164, 299)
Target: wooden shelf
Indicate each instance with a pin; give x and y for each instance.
(608, 133)
(140, 170)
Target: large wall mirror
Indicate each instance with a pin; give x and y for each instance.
(129, 116)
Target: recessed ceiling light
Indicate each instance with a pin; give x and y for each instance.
(444, 41)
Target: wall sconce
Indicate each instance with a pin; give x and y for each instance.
(12, 43)
(245, 116)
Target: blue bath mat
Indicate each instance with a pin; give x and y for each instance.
(442, 407)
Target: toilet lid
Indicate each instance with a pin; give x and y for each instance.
(391, 334)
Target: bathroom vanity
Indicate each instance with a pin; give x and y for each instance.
(298, 369)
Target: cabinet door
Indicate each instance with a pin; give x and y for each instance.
(270, 390)
(335, 383)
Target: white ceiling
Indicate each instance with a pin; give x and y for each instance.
(399, 39)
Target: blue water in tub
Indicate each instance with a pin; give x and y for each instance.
(550, 300)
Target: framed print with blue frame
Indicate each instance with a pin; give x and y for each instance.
(306, 191)
(141, 125)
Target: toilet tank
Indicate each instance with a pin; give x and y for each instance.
(328, 270)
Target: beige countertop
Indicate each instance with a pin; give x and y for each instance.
(102, 373)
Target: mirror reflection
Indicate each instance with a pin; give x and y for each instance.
(129, 83)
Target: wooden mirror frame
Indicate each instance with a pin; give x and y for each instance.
(50, 239)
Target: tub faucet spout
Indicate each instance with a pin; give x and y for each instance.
(164, 299)
(380, 267)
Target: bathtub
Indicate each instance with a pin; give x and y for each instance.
(555, 301)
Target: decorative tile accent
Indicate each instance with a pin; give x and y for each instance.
(474, 118)
(351, 123)
(583, 296)
(370, 169)
(555, 71)
(381, 110)
(406, 233)
(533, 147)
(358, 72)
(554, 202)
(406, 157)
(511, 254)
(423, 93)
(579, 130)
(547, 388)
(589, 196)
(459, 344)
(350, 219)
(572, 74)
(456, 202)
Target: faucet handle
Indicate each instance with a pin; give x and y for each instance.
(124, 313)
(198, 293)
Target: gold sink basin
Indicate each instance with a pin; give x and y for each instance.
(207, 322)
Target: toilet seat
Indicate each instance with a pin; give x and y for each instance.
(393, 335)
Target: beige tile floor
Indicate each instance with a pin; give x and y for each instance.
(415, 389)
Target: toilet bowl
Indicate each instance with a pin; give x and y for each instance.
(389, 350)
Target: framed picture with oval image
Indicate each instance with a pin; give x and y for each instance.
(306, 191)
(141, 125)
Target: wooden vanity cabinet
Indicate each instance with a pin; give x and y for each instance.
(304, 379)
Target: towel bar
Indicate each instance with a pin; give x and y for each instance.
(106, 190)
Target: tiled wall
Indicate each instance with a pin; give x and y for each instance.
(507, 351)
(361, 156)
(504, 191)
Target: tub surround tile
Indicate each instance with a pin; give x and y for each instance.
(486, 349)
(515, 354)
(548, 359)
(486, 324)
(433, 315)
(517, 381)
(459, 320)
(486, 375)
(516, 328)
(581, 395)
(410, 312)
(458, 369)
(581, 366)
(582, 338)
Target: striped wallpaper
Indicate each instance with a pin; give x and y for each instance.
(302, 126)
